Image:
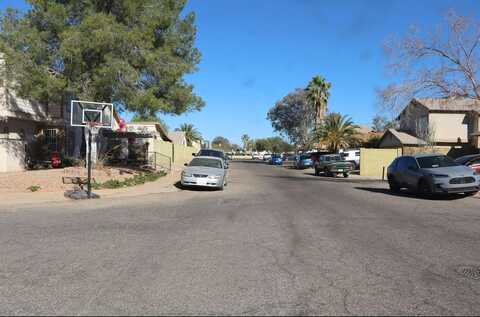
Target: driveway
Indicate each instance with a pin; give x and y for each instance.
(276, 241)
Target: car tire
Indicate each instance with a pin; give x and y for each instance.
(470, 194)
(394, 187)
(424, 188)
(317, 172)
(346, 175)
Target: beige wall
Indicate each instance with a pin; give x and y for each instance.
(12, 155)
(448, 127)
(180, 154)
(372, 161)
(183, 154)
(12, 144)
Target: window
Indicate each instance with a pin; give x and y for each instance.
(206, 162)
(411, 163)
(435, 161)
(51, 139)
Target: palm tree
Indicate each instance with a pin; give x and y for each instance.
(318, 94)
(338, 131)
(191, 133)
(246, 142)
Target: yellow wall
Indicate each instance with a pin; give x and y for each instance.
(179, 154)
(183, 154)
(372, 161)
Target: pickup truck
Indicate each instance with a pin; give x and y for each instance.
(333, 165)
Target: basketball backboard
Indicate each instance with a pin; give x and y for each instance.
(85, 113)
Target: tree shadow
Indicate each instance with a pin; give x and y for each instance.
(410, 195)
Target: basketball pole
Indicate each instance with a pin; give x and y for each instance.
(89, 164)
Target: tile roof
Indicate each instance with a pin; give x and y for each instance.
(449, 104)
(405, 138)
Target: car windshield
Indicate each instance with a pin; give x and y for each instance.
(305, 156)
(206, 163)
(211, 153)
(435, 161)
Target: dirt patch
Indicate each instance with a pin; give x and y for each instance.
(51, 180)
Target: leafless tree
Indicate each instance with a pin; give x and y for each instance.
(443, 62)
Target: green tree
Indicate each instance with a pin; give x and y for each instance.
(191, 133)
(293, 116)
(246, 142)
(221, 143)
(132, 53)
(318, 94)
(338, 131)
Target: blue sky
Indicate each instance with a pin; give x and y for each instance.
(255, 52)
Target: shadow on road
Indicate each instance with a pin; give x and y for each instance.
(195, 188)
(326, 179)
(410, 195)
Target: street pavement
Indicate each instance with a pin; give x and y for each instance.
(275, 241)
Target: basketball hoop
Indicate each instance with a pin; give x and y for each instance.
(92, 116)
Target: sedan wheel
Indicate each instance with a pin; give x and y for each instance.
(424, 188)
(394, 187)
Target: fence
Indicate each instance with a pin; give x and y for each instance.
(374, 162)
(159, 161)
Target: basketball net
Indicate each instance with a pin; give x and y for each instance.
(93, 128)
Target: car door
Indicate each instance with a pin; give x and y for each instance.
(411, 172)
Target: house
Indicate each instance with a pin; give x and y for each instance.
(396, 139)
(442, 121)
(24, 123)
(178, 137)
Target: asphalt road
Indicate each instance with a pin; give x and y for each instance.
(276, 241)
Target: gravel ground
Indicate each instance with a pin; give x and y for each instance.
(50, 180)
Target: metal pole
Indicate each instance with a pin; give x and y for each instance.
(89, 164)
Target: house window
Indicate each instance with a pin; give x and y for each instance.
(51, 139)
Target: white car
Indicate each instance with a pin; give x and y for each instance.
(352, 155)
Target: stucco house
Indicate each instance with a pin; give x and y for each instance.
(21, 122)
(447, 121)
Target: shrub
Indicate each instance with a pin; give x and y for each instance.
(34, 188)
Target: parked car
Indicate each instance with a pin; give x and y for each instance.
(267, 156)
(205, 171)
(430, 174)
(472, 161)
(276, 160)
(214, 153)
(257, 156)
(290, 161)
(352, 156)
(304, 161)
(333, 165)
(315, 156)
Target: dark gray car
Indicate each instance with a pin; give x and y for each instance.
(432, 173)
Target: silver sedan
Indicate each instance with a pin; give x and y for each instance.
(205, 171)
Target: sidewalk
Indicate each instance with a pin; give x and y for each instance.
(165, 184)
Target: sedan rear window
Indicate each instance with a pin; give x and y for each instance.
(211, 153)
(435, 161)
(206, 163)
